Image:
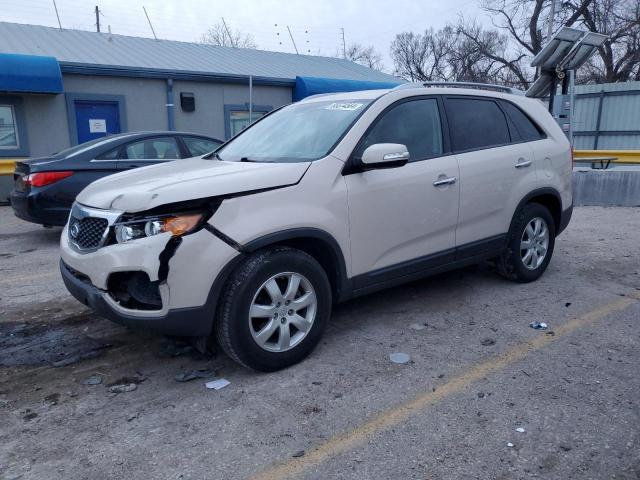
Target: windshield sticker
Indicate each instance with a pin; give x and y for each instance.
(349, 107)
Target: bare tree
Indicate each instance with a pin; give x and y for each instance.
(362, 55)
(618, 60)
(502, 54)
(218, 35)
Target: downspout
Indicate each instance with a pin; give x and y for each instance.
(171, 124)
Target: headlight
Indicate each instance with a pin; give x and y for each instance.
(147, 227)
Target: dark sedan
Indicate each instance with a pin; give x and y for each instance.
(46, 187)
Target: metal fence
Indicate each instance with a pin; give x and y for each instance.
(607, 116)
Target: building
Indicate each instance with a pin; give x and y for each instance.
(59, 87)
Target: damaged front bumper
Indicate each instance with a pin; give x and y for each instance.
(184, 281)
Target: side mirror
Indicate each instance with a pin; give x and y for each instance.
(385, 155)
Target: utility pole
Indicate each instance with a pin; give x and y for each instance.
(292, 40)
(228, 33)
(57, 14)
(149, 20)
(344, 45)
(97, 19)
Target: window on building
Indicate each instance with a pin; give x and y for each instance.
(200, 146)
(476, 123)
(154, 149)
(239, 120)
(8, 128)
(414, 124)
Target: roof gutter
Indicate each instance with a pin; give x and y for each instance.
(163, 74)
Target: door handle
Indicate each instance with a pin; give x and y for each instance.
(445, 181)
(522, 163)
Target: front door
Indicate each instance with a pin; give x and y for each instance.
(400, 222)
(95, 119)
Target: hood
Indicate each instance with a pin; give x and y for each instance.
(148, 187)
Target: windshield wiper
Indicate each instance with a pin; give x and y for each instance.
(245, 159)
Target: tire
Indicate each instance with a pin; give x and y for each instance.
(251, 289)
(514, 264)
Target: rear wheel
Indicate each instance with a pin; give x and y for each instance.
(530, 244)
(274, 309)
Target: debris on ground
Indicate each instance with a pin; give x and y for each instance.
(298, 454)
(130, 418)
(126, 384)
(520, 430)
(481, 394)
(93, 380)
(51, 400)
(193, 374)
(29, 415)
(172, 348)
(417, 326)
(538, 325)
(509, 444)
(217, 384)
(399, 357)
(568, 304)
(487, 342)
(197, 349)
(551, 333)
(123, 388)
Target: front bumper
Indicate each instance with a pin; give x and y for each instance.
(188, 297)
(195, 321)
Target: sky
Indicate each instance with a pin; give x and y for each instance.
(315, 24)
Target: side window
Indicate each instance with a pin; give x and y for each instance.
(8, 128)
(525, 128)
(110, 155)
(153, 149)
(476, 123)
(415, 124)
(200, 146)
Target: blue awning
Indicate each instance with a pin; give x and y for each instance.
(306, 86)
(29, 73)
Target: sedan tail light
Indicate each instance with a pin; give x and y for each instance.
(45, 178)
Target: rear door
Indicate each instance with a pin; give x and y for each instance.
(496, 171)
(148, 151)
(403, 220)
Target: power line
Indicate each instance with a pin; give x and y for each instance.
(57, 14)
(149, 20)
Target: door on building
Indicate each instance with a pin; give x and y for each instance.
(95, 119)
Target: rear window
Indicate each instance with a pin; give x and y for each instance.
(476, 123)
(525, 129)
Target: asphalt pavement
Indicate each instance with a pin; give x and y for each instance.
(484, 396)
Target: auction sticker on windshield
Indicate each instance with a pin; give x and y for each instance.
(344, 106)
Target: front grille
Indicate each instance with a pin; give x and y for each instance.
(87, 232)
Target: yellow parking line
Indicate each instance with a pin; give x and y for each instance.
(394, 416)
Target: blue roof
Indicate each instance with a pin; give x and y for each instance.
(29, 73)
(80, 51)
(307, 86)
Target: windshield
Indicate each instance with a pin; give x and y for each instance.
(297, 133)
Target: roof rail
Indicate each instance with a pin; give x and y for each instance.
(476, 85)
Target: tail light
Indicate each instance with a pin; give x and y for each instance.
(45, 178)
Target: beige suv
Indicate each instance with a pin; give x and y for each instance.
(320, 201)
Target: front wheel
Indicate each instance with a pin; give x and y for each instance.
(530, 244)
(274, 309)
